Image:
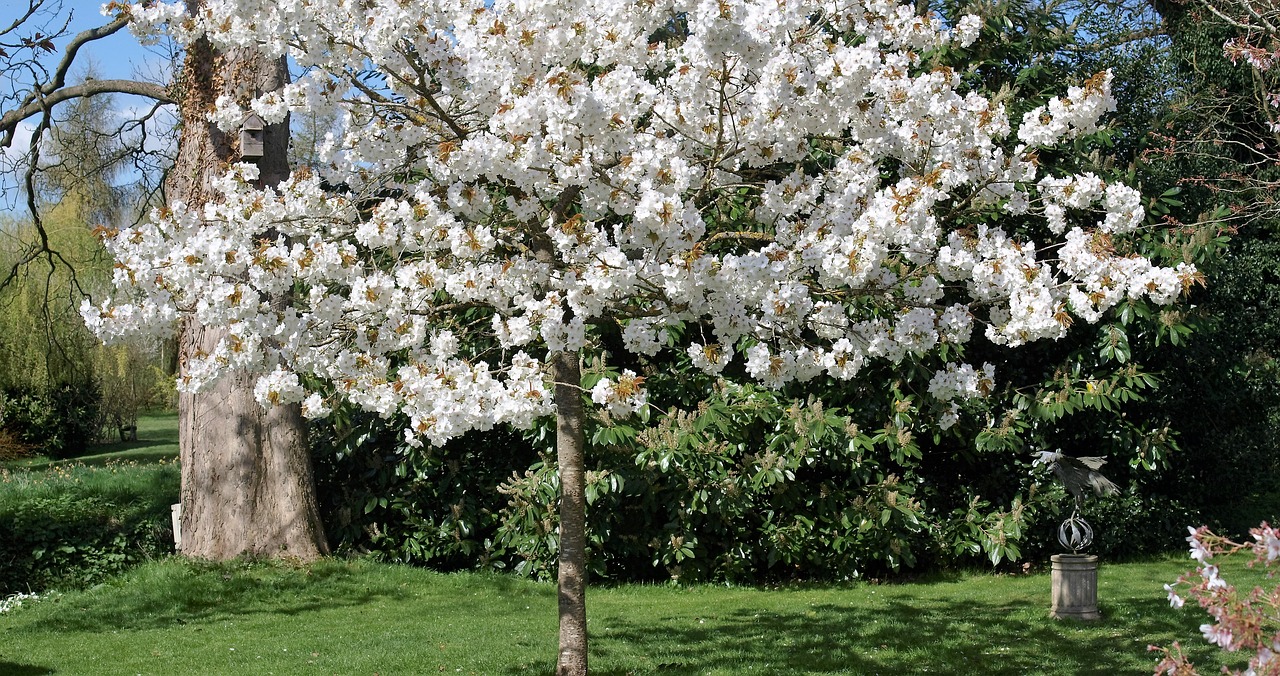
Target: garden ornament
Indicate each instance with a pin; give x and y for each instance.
(1078, 475)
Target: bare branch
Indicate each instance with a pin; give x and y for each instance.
(9, 121)
(1121, 40)
(32, 7)
(69, 53)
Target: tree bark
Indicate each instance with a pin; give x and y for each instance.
(247, 485)
(570, 442)
(247, 488)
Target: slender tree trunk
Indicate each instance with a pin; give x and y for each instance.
(247, 486)
(570, 443)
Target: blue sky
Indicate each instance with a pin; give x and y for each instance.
(119, 56)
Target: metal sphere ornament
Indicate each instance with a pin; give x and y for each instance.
(1081, 478)
(1075, 533)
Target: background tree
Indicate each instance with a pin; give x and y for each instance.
(246, 476)
(307, 138)
(1218, 145)
(247, 487)
(50, 357)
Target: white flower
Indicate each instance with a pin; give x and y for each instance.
(315, 406)
(622, 397)
(1269, 540)
(278, 387)
(577, 203)
(962, 381)
(1198, 550)
(949, 417)
(967, 29)
(14, 601)
(709, 358)
(1218, 635)
(1211, 578)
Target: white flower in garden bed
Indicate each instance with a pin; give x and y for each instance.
(16, 601)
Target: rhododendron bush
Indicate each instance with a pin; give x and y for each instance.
(781, 191)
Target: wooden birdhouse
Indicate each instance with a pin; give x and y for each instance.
(251, 137)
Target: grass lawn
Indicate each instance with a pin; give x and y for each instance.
(157, 440)
(119, 472)
(175, 617)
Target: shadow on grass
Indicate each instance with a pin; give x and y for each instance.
(185, 593)
(143, 452)
(14, 669)
(903, 635)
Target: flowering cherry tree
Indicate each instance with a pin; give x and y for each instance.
(782, 190)
(1247, 621)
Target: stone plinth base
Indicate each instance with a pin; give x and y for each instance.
(1075, 587)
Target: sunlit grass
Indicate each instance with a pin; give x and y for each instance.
(335, 617)
(118, 481)
(72, 524)
(157, 441)
(175, 617)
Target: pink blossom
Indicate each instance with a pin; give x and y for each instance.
(1211, 578)
(1269, 540)
(1217, 634)
(1198, 551)
(1240, 620)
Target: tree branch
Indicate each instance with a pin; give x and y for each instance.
(69, 54)
(1122, 40)
(32, 6)
(42, 97)
(9, 121)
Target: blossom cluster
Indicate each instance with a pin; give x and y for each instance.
(715, 185)
(1242, 620)
(15, 601)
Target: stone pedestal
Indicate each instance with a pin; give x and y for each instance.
(1075, 587)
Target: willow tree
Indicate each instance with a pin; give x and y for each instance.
(782, 191)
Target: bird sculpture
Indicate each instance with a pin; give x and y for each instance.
(1079, 474)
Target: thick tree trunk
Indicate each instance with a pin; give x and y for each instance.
(570, 442)
(247, 486)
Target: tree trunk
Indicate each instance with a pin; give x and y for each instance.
(247, 486)
(570, 443)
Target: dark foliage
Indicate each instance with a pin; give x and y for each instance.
(59, 421)
(427, 505)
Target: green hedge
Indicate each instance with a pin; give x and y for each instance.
(72, 527)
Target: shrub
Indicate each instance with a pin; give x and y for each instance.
(71, 527)
(746, 487)
(428, 506)
(60, 421)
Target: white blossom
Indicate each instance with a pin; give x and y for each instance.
(519, 184)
